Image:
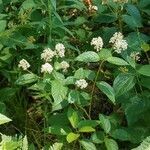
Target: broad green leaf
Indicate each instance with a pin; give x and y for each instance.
(4, 119)
(145, 145)
(104, 54)
(59, 130)
(59, 91)
(2, 25)
(111, 144)
(79, 74)
(56, 146)
(72, 137)
(123, 83)
(27, 79)
(98, 137)
(92, 123)
(144, 70)
(117, 61)
(89, 56)
(86, 129)
(145, 47)
(131, 21)
(73, 117)
(107, 89)
(25, 143)
(59, 105)
(87, 145)
(105, 123)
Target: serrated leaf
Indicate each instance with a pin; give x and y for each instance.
(104, 54)
(4, 119)
(73, 117)
(87, 145)
(105, 123)
(27, 79)
(144, 70)
(111, 144)
(117, 61)
(107, 89)
(123, 83)
(72, 137)
(59, 91)
(98, 137)
(89, 56)
(86, 129)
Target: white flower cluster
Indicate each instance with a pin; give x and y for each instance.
(47, 55)
(119, 44)
(135, 56)
(47, 68)
(60, 50)
(23, 64)
(93, 7)
(98, 43)
(82, 84)
(64, 65)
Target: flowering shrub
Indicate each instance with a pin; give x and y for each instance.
(74, 75)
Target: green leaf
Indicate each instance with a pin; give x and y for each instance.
(131, 21)
(87, 129)
(92, 123)
(105, 123)
(89, 56)
(107, 89)
(123, 83)
(59, 130)
(4, 119)
(87, 145)
(56, 146)
(73, 117)
(145, 145)
(145, 47)
(27, 79)
(79, 74)
(117, 61)
(104, 54)
(2, 25)
(72, 137)
(111, 144)
(98, 137)
(144, 70)
(25, 143)
(59, 91)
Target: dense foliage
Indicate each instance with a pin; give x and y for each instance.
(74, 74)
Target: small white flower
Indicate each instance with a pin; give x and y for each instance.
(23, 64)
(116, 36)
(98, 43)
(64, 66)
(47, 55)
(135, 56)
(93, 7)
(47, 68)
(60, 50)
(120, 45)
(81, 83)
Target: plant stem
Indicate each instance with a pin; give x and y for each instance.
(93, 88)
(83, 111)
(50, 21)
